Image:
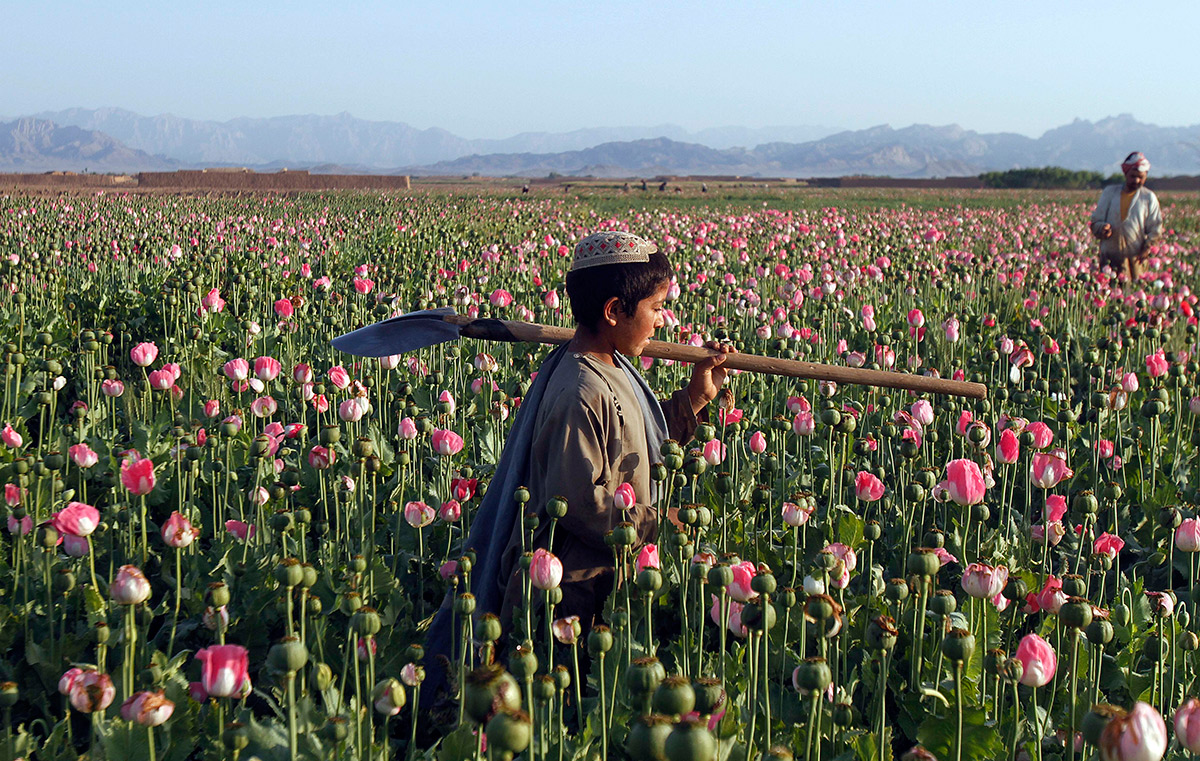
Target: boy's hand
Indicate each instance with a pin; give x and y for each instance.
(708, 376)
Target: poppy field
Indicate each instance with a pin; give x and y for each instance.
(225, 539)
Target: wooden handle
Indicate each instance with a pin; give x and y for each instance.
(511, 330)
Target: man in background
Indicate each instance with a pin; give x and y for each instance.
(1127, 220)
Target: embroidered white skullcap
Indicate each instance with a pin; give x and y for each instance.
(611, 247)
(1136, 161)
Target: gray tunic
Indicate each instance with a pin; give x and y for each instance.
(589, 438)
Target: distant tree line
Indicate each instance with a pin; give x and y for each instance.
(1047, 177)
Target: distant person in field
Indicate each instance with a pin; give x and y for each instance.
(1127, 220)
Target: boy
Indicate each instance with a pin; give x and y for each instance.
(587, 425)
(598, 426)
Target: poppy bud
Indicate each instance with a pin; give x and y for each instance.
(9, 694)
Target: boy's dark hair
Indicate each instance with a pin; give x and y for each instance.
(629, 282)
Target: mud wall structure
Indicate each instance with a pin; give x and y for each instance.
(65, 180)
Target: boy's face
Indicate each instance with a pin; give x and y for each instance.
(631, 334)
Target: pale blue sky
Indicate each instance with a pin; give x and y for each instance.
(494, 69)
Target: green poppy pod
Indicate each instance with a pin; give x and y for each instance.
(812, 675)
(843, 714)
(464, 604)
(724, 483)
(625, 534)
(600, 640)
(943, 603)
(510, 731)
(523, 663)
(1099, 632)
(556, 507)
(1085, 503)
(923, 562)
(1075, 613)
(690, 740)
(670, 447)
(1096, 720)
(649, 580)
(896, 590)
(882, 633)
(562, 677)
(490, 689)
(709, 695)
(289, 573)
(289, 655)
(647, 738)
(674, 696)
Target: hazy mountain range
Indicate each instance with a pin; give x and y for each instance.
(115, 140)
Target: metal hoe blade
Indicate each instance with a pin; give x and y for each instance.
(408, 332)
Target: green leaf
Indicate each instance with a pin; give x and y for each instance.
(866, 748)
(34, 654)
(459, 745)
(123, 741)
(93, 600)
(849, 529)
(979, 741)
